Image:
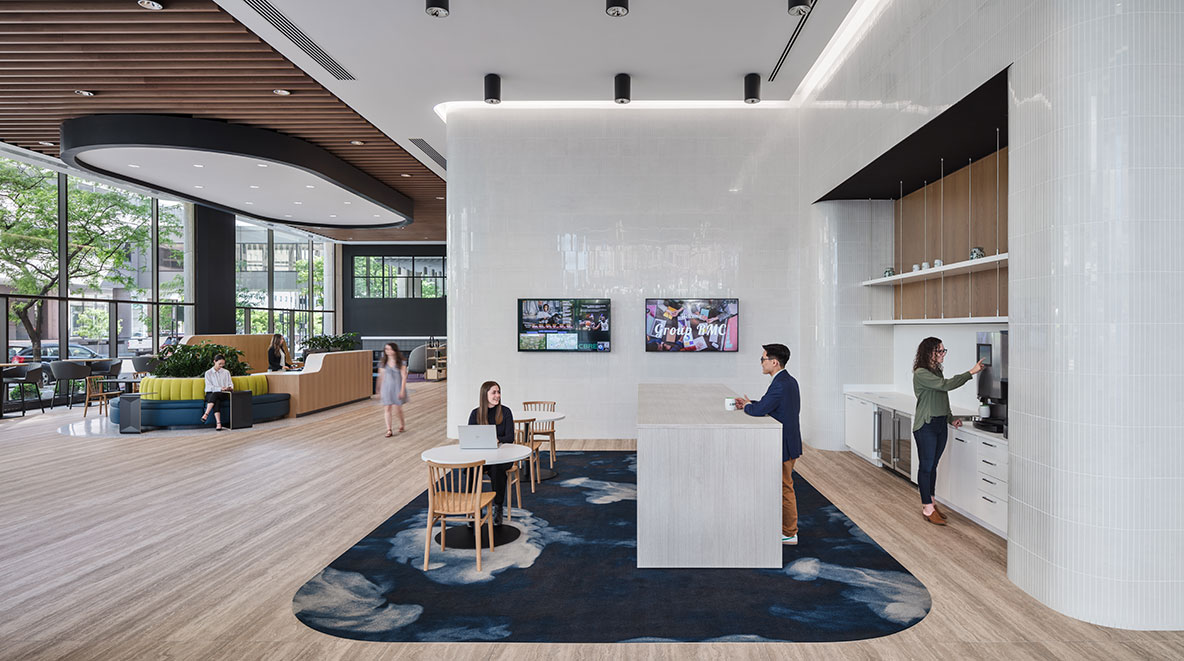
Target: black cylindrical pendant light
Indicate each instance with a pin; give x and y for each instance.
(616, 8)
(752, 88)
(437, 8)
(622, 88)
(493, 88)
(799, 7)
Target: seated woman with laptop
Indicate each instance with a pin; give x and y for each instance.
(491, 412)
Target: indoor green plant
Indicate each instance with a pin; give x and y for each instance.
(327, 343)
(192, 360)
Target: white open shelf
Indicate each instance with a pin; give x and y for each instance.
(935, 322)
(957, 268)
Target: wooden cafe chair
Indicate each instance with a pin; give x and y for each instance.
(454, 493)
(544, 432)
(522, 437)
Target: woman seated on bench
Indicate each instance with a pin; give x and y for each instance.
(218, 387)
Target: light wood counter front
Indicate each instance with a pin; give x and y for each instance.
(708, 480)
(327, 380)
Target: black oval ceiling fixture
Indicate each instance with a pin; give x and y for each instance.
(238, 169)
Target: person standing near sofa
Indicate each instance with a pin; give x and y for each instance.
(218, 388)
(783, 402)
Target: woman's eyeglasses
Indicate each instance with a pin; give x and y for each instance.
(940, 351)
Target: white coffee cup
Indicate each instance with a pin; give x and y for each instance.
(916, 267)
(937, 262)
(729, 403)
(924, 265)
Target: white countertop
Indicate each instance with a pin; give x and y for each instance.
(692, 405)
(906, 403)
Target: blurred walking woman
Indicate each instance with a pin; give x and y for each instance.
(490, 411)
(929, 420)
(392, 385)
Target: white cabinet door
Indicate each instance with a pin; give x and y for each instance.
(944, 489)
(860, 429)
(960, 467)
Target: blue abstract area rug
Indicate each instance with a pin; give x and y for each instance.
(572, 577)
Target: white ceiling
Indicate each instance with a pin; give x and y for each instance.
(263, 189)
(407, 62)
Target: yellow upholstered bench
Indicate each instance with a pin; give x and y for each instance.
(172, 389)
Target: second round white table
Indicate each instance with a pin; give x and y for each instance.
(540, 416)
(461, 537)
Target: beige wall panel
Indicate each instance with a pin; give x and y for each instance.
(913, 301)
(983, 194)
(933, 228)
(912, 239)
(1003, 200)
(957, 296)
(956, 216)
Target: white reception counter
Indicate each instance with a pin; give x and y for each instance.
(708, 480)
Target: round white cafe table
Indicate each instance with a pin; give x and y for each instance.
(452, 454)
(462, 537)
(540, 416)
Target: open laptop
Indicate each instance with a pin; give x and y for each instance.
(478, 437)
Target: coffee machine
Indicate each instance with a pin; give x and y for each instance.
(992, 381)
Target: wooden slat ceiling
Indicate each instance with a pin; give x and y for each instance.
(193, 59)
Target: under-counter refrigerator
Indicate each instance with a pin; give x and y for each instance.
(894, 434)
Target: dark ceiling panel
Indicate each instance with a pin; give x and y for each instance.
(192, 59)
(965, 132)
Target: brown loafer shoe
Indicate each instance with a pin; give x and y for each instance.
(934, 519)
(940, 513)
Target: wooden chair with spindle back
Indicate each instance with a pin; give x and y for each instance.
(522, 437)
(454, 493)
(543, 432)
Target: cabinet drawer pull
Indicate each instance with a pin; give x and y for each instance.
(960, 440)
(988, 500)
(988, 444)
(989, 482)
(989, 463)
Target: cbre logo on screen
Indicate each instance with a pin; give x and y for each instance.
(692, 324)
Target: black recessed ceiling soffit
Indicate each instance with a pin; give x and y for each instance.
(964, 132)
(235, 168)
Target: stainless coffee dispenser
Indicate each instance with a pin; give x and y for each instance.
(992, 381)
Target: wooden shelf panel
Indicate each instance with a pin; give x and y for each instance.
(957, 268)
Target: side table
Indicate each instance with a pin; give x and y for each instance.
(129, 414)
(240, 409)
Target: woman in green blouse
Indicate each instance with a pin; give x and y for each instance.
(929, 421)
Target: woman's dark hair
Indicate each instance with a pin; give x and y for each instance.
(483, 405)
(778, 352)
(398, 356)
(218, 357)
(925, 349)
(276, 341)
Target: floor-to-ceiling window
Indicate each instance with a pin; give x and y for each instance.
(83, 260)
(283, 282)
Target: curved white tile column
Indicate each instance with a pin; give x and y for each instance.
(1097, 314)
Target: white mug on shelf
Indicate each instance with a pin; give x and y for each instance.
(916, 267)
(729, 403)
(924, 265)
(937, 263)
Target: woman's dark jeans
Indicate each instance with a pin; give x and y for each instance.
(931, 442)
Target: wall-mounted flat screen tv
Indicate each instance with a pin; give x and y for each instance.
(563, 324)
(692, 324)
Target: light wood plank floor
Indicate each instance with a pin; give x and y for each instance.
(192, 546)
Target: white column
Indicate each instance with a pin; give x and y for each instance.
(1096, 493)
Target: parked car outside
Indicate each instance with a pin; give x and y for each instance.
(49, 351)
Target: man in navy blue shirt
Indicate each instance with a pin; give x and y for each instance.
(782, 401)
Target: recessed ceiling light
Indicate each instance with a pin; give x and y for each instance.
(248, 202)
(84, 92)
(309, 186)
(132, 165)
(376, 215)
(253, 186)
(199, 186)
(261, 165)
(356, 142)
(298, 203)
(349, 202)
(437, 8)
(280, 92)
(287, 215)
(617, 8)
(439, 197)
(45, 143)
(404, 175)
(332, 215)
(198, 165)
(150, 4)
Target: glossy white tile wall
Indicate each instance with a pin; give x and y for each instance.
(839, 243)
(620, 203)
(1097, 292)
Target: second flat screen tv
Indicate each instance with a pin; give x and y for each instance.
(692, 324)
(563, 324)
